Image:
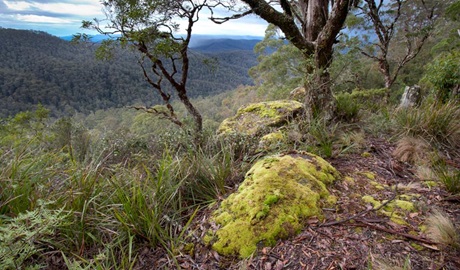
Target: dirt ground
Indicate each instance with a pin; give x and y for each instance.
(352, 235)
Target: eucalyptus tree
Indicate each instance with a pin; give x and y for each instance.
(312, 26)
(152, 28)
(393, 32)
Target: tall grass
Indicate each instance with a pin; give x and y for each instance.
(114, 201)
(436, 123)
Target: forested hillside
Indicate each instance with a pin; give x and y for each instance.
(36, 67)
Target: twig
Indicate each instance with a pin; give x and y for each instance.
(362, 223)
(363, 213)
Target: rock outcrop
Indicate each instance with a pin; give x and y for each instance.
(278, 194)
(411, 97)
(255, 118)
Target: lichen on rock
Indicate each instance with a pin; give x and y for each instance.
(272, 141)
(278, 194)
(254, 118)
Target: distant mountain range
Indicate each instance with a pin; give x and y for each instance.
(36, 67)
(207, 43)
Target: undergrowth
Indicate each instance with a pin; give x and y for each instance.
(94, 199)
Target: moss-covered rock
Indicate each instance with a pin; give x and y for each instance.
(277, 195)
(272, 141)
(254, 118)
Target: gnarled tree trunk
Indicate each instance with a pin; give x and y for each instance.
(311, 26)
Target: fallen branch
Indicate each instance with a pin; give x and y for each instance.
(361, 214)
(362, 223)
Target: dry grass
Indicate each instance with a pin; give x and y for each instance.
(412, 150)
(442, 230)
(385, 264)
(425, 173)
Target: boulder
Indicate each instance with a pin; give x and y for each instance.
(277, 196)
(254, 118)
(272, 141)
(411, 97)
(298, 94)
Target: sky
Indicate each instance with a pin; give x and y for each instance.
(64, 17)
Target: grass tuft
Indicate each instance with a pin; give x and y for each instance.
(442, 231)
(412, 150)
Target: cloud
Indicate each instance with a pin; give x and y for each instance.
(42, 19)
(63, 17)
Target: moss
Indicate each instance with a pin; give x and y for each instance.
(377, 185)
(404, 205)
(417, 246)
(430, 184)
(423, 228)
(371, 200)
(349, 179)
(190, 249)
(272, 140)
(278, 193)
(409, 197)
(253, 118)
(396, 209)
(366, 154)
(368, 175)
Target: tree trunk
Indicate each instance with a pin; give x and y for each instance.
(198, 119)
(315, 37)
(320, 101)
(324, 29)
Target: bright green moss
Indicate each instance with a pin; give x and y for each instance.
(417, 246)
(377, 185)
(368, 175)
(396, 209)
(253, 118)
(276, 195)
(349, 179)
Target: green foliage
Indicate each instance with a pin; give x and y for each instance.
(444, 75)
(29, 234)
(66, 78)
(206, 174)
(347, 108)
(453, 11)
(148, 206)
(323, 137)
(449, 176)
(281, 66)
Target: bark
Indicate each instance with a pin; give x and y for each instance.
(314, 33)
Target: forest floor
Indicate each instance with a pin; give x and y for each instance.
(351, 236)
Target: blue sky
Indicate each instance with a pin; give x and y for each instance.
(63, 18)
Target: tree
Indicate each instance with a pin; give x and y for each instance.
(280, 67)
(150, 27)
(398, 28)
(312, 26)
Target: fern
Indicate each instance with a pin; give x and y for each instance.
(26, 235)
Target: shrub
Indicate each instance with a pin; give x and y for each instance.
(347, 108)
(444, 75)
